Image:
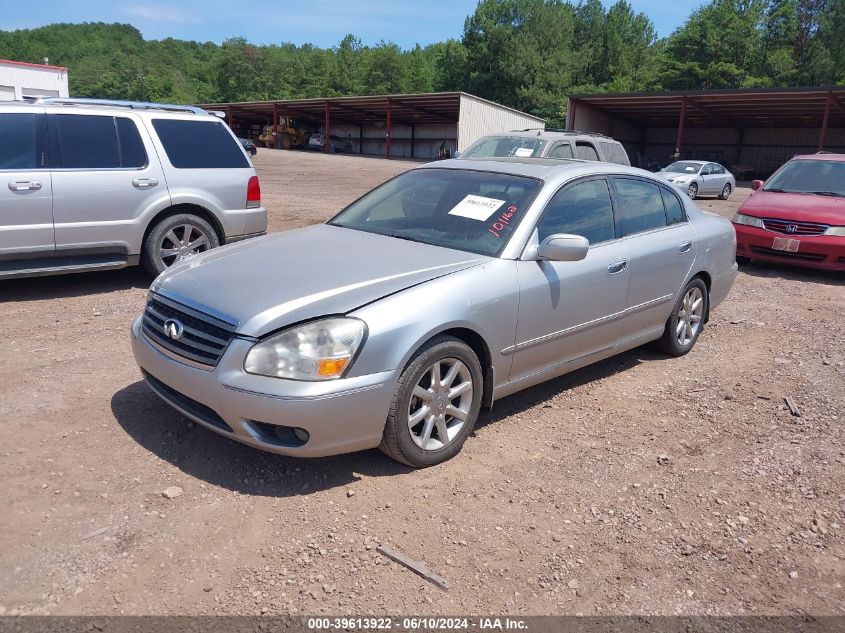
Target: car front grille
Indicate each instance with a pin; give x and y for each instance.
(771, 252)
(204, 337)
(788, 227)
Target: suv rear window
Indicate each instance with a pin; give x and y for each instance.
(98, 142)
(199, 144)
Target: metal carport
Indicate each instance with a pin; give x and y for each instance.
(750, 129)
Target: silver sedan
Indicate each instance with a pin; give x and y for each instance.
(441, 291)
(700, 178)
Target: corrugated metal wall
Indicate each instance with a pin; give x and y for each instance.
(19, 81)
(479, 117)
(764, 149)
(427, 139)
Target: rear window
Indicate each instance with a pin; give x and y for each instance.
(199, 144)
(98, 142)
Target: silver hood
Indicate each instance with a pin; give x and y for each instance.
(267, 283)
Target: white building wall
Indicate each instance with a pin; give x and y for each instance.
(479, 117)
(18, 80)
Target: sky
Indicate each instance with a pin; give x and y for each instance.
(320, 22)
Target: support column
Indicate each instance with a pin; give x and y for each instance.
(823, 131)
(389, 141)
(679, 141)
(327, 135)
(570, 117)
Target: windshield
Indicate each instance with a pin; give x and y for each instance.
(466, 210)
(493, 146)
(683, 167)
(823, 177)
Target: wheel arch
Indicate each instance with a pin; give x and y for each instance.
(193, 209)
(480, 348)
(708, 282)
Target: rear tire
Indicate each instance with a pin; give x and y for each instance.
(684, 325)
(441, 384)
(175, 238)
(726, 192)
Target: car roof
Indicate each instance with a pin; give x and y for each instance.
(111, 106)
(546, 169)
(695, 161)
(550, 134)
(820, 156)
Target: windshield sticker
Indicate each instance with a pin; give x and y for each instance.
(476, 207)
(524, 152)
(502, 221)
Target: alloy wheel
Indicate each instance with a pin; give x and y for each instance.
(690, 316)
(182, 242)
(440, 404)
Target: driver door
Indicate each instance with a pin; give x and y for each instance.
(570, 311)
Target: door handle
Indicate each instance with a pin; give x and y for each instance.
(144, 183)
(617, 267)
(24, 185)
(685, 247)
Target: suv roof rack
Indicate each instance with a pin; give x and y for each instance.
(135, 105)
(561, 131)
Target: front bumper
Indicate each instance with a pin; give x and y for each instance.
(340, 416)
(823, 252)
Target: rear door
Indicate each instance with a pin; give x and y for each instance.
(561, 149)
(105, 175)
(661, 247)
(712, 179)
(26, 200)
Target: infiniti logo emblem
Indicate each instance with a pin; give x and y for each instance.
(791, 228)
(174, 329)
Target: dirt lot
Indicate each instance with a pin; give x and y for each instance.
(640, 485)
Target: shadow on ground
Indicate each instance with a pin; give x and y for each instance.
(74, 285)
(769, 270)
(222, 462)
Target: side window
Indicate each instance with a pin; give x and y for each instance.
(719, 169)
(640, 206)
(199, 144)
(615, 153)
(582, 209)
(707, 170)
(87, 142)
(132, 152)
(19, 145)
(585, 151)
(674, 209)
(564, 150)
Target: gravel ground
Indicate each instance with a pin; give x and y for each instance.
(639, 485)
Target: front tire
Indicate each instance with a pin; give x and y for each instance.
(692, 191)
(176, 238)
(435, 405)
(686, 321)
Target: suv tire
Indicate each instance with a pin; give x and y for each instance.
(175, 238)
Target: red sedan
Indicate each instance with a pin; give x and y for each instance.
(797, 216)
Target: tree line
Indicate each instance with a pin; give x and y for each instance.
(528, 54)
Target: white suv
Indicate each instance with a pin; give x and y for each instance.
(95, 184)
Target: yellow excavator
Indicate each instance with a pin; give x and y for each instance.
(283, 136)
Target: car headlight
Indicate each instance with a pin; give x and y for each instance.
(747, 220)
(839, 231)
(319, 350)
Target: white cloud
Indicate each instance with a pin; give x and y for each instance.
(163, 13)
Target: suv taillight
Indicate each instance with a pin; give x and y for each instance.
(253, 193)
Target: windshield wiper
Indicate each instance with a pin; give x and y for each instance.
(776, 190)
(833, 194)
(404, 237)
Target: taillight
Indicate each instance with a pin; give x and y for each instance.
(253, 193)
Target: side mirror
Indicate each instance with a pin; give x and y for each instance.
(562, 247)
(456, 154)
(756, 184)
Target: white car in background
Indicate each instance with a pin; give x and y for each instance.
(700, 178)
